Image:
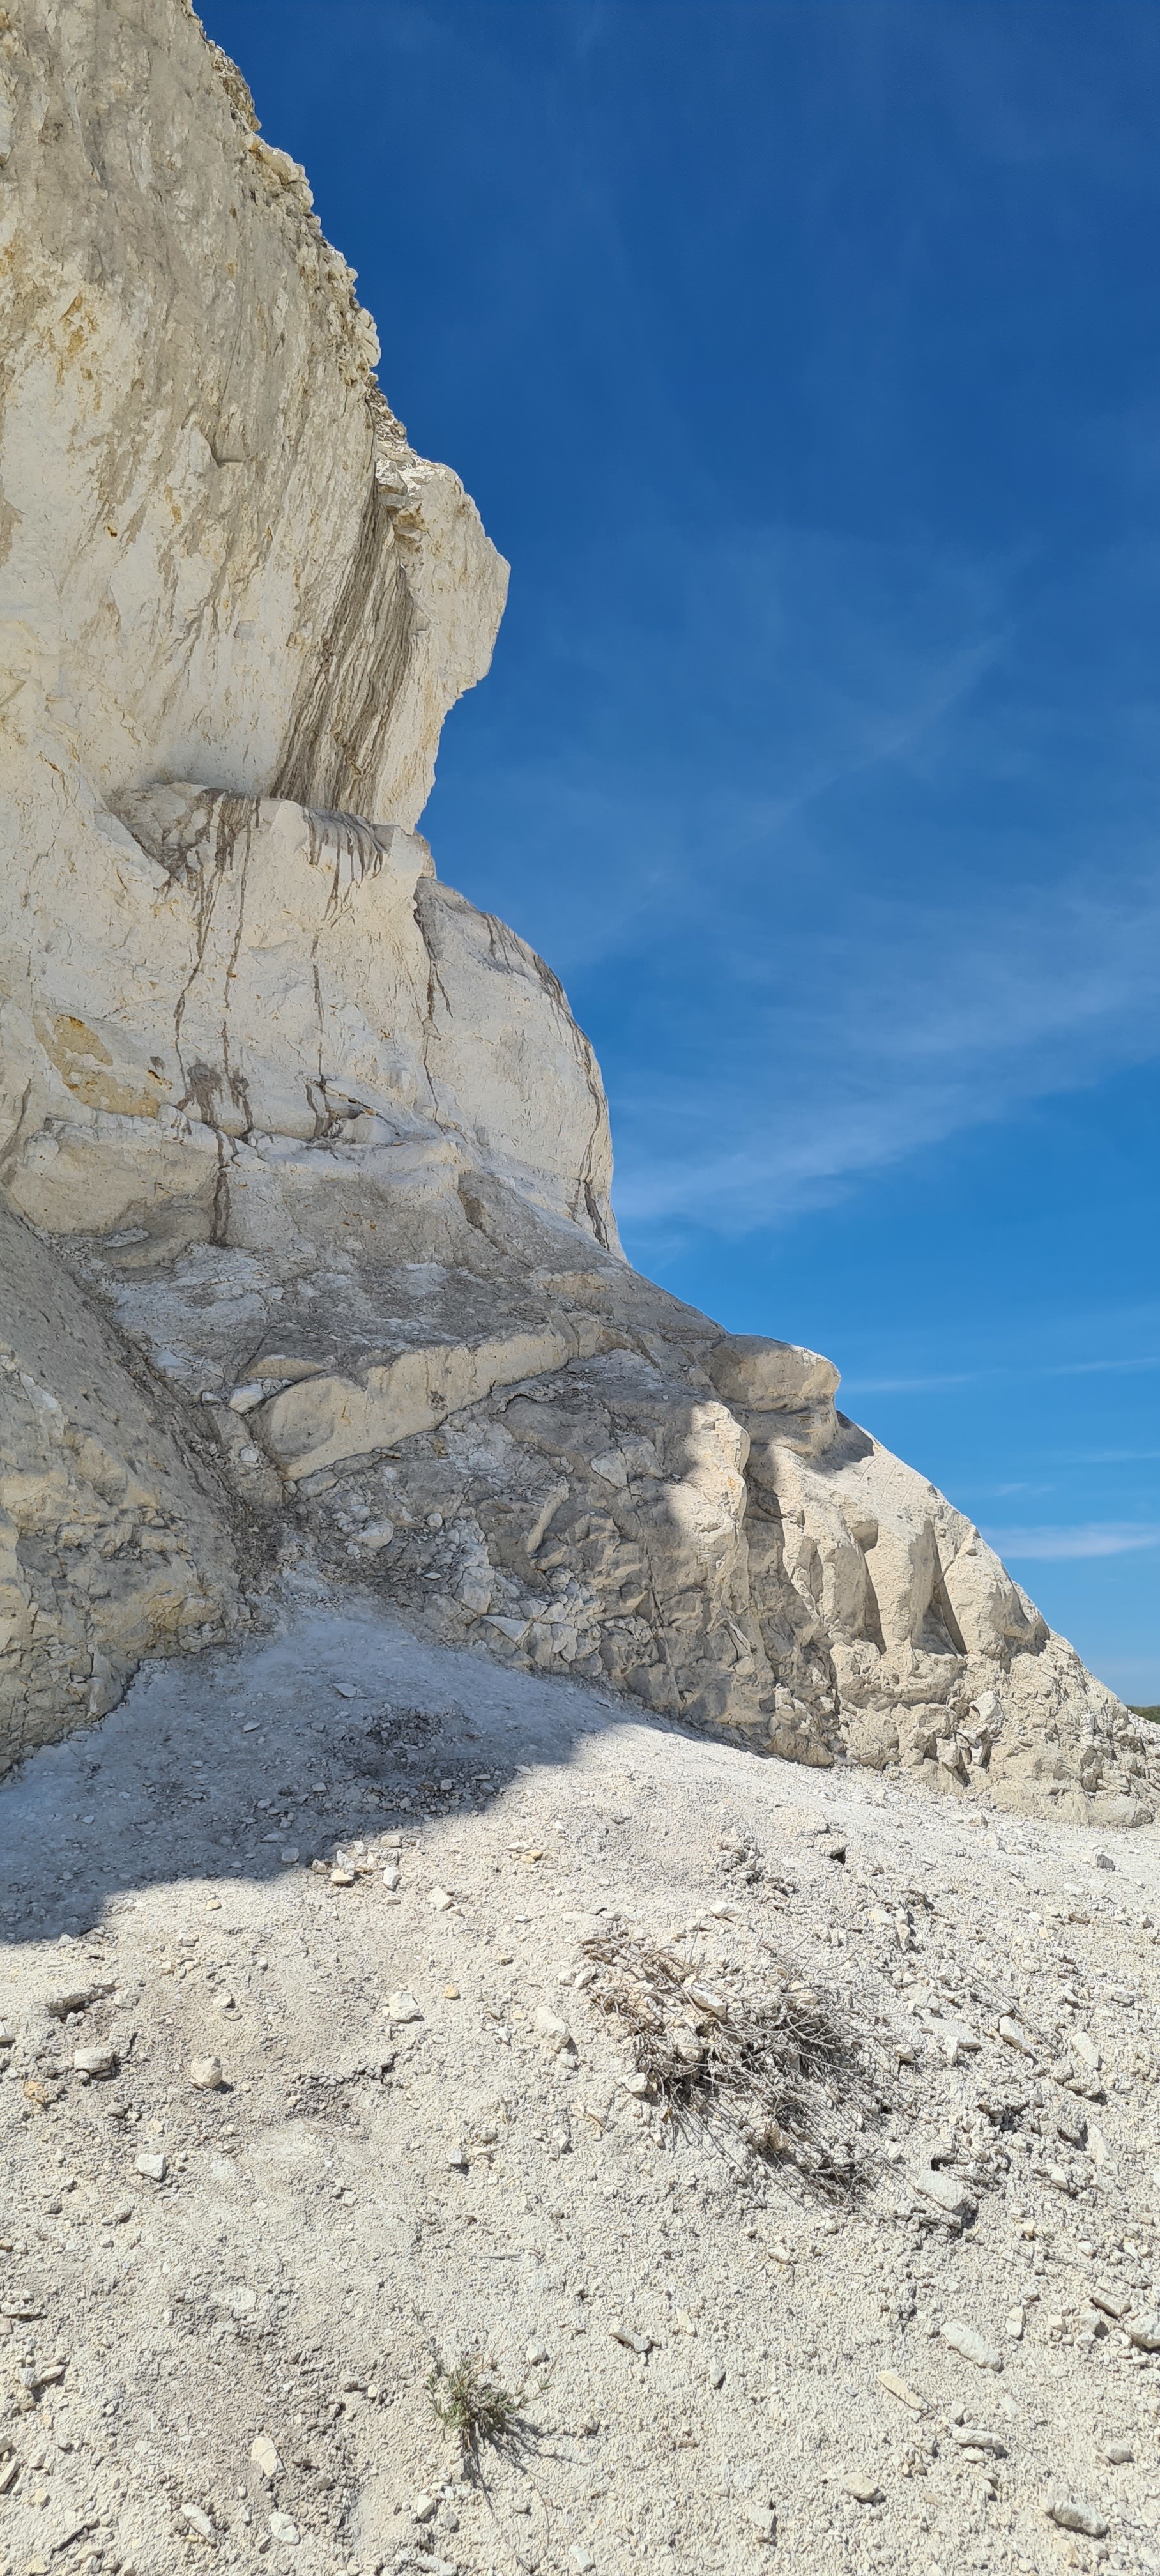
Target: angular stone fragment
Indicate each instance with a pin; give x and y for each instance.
(942, 2188)
(1072, 2516)
(244, 1398)
(100, 2059)
(548, 2025)
(70, 1999)
(973, 2346)
(898, 2387)
(1114, 2303)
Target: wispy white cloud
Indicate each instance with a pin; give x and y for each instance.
(1113, 1368)
(935, 1384)
(964, 1020)
(837, 874)
(1097, 1538)
(1108, 1458)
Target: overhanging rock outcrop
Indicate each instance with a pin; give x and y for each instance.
(308, 1268)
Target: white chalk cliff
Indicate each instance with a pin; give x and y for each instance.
(308, 1269)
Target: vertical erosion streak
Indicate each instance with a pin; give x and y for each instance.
(336, 739)
(435, 985)
(190, 861)
(232, 1076)
(350, 849)
(231, 819)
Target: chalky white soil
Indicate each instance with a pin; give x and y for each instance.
(698, 2341)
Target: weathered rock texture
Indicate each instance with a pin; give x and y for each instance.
(111, 1542)
(309, 1261)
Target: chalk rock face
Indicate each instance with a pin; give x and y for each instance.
(224, 560)
(111, 1533)
(308, 1268)
(260, 977)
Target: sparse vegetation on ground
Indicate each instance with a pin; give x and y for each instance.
(779, 2073)
(469, 2401)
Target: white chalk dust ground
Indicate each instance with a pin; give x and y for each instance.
(313, 2248)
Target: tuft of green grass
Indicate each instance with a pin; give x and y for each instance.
(471, 2403)
(1152, 1713)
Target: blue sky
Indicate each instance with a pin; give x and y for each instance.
(803, 356)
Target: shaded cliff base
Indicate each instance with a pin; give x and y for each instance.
(460, 1406)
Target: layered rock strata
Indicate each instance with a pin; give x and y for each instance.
(309, 1259)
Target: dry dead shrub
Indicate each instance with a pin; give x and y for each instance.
(780, 2074)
